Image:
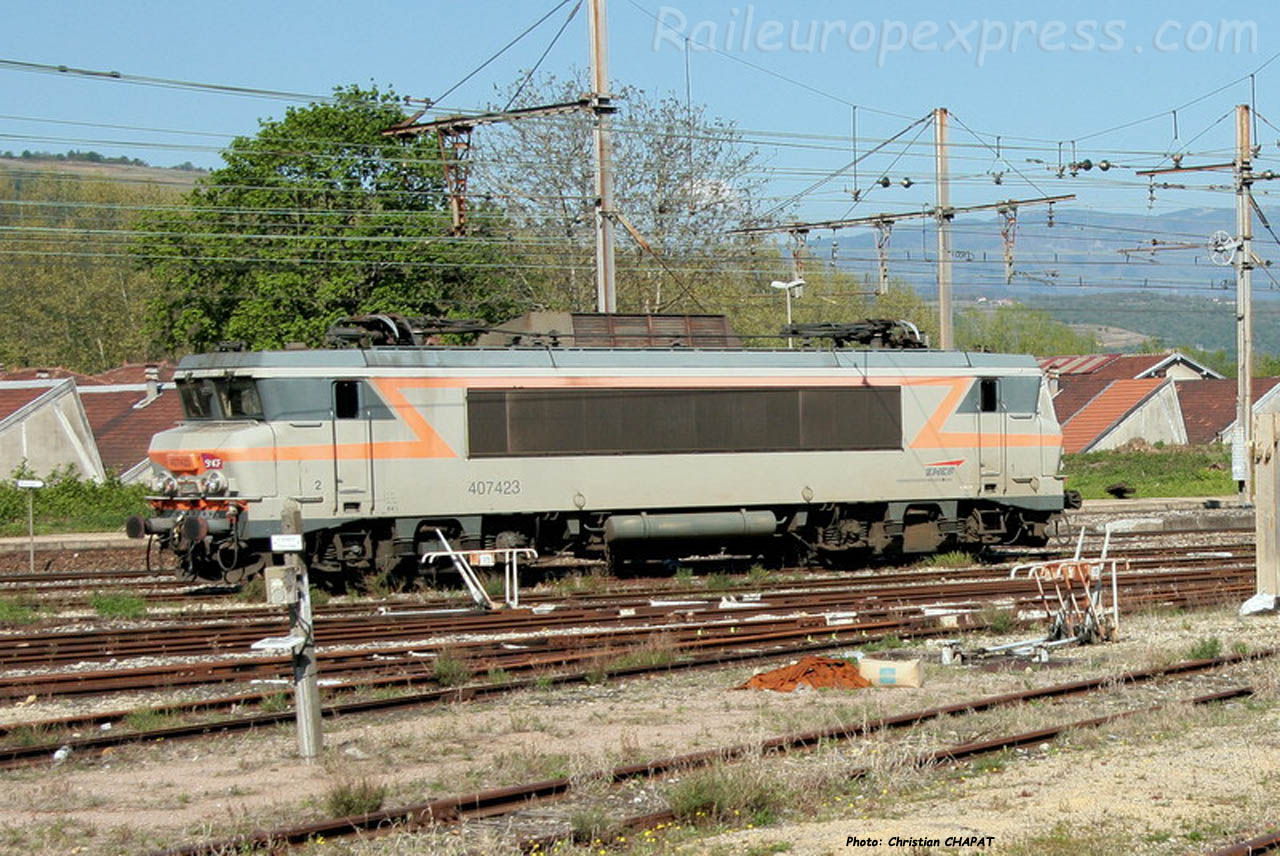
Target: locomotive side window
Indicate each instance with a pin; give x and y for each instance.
(518, 422)
(989, 395)
(346, 399)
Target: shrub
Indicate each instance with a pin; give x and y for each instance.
(450, 670)
(1205, 649)
(68, 503)
(999, 620)
(350, 798)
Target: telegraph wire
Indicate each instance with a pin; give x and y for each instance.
(503, 50)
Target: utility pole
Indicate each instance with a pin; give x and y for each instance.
(606, 296)
(1242, 454)
(943, 212)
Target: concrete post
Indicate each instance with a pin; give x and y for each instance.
(306, 685)
(1266, 459)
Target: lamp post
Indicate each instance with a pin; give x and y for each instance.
(796, 287)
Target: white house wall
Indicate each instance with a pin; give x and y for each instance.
(52, 432)
(1158, 419)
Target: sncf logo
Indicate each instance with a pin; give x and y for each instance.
(210, 462)
(942, 469)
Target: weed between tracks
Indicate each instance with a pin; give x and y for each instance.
(118, 605)
(347, 797)
(450, 670)
(14, 611)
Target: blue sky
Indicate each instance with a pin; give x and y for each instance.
(1036, 75)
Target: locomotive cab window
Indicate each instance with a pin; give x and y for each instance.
(198, 397)
(346, 399)
(989, 395)
(239, 399)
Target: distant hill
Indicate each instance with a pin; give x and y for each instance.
(180, 178)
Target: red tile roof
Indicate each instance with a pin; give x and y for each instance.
(1105, 410)
(1112, 366)
(1074, 392)
(1209, 406)
(135, 373)
(13, 400)
(38, 374)
(122, 432)
(1076, 364)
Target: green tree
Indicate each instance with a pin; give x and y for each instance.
(317, 216)
(72, 297)
(1018, 329)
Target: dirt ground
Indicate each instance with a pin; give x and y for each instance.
(1166, 783)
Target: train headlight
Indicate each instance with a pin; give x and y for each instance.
(166, 485)
(215, 484)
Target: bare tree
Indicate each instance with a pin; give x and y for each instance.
(683, 180)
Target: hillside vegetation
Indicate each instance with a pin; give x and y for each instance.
(72, 295)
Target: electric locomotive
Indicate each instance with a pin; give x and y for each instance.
(801, 454)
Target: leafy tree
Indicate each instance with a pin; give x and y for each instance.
(317, 216)
(1018, 329)
(71, 296)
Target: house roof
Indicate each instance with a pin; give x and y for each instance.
(1209, 406)
(50, 375)
(1121, 366)
(135, 373)
(122, 428)
(1074, 393)
(14, 399)
(1088, 424)
(1076, 364)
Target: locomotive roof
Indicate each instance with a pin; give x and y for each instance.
(596, 358)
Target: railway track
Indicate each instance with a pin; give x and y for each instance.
(690, 646)
(508, 801)
(686, 624)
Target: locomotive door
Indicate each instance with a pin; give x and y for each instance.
(991, 436)
(352, 449)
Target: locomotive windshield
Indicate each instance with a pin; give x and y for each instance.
(209, 398)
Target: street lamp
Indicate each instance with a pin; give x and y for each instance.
(796, 288)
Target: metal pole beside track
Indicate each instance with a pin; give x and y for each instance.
(306, 682)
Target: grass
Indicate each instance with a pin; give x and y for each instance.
(147, 720)
(253, 591)
(999, 620)
(17, 612)
(952, 559)
(1171, 471)
(274, 703)
(450, 670)
(347, 798)
(118, 605)
(589, 823)
(726, 793)
(888, 643)
(1205, 649)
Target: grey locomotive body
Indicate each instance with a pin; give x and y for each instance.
(799, 453)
